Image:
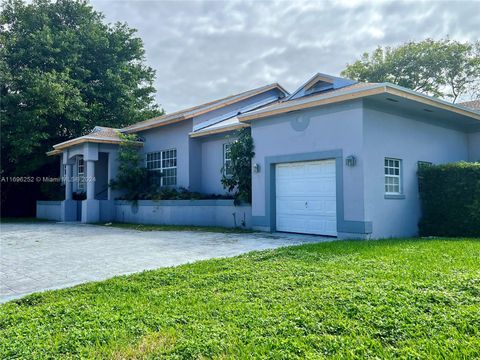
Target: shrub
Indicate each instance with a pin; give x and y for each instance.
(179, 194)
(450, 197)
(240, 179)
(133, 179)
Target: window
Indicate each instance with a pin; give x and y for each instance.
(227, 161)
(80, 174)
(393, 181)
(164, 163)
(423, 163)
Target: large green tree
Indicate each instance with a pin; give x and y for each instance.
(446, 68)
(64, 70)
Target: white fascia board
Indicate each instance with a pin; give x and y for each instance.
(438, 100)
(310, 99)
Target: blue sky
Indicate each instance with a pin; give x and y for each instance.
(203, 50)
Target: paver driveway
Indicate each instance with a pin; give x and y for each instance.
(41, 256)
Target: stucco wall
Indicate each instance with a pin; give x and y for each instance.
(166, 212)
(195, 164)
(336, 127)
(474, 146)
(184, 212)
(212, 163)
(391, 134)
(49, 210)
(174, 136)
(101, 176)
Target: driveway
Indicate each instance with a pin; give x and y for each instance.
(42, 256)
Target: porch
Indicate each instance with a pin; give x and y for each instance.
(88, 164)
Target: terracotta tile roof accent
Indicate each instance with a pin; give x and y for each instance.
(104, 132)
(99, 134)
(474, 104)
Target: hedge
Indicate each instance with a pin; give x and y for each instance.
(450, 198)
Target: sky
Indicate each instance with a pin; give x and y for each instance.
(204, 50)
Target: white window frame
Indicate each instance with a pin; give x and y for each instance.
(161, 161)
(80, 173)
(421, 163)
(390, 166)
(227, 160)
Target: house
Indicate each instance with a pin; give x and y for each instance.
(336, 157)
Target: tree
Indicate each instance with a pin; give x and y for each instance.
(445, 68)
(239, 178)
(132, 178)
(63, 71)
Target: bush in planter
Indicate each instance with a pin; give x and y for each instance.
(133, 179)
(137, 183)
(167, 193)
(450, 197)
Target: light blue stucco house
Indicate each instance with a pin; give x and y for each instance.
(336, 157)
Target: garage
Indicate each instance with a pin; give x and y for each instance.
(306, 197)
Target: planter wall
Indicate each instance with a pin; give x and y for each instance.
(184, 212)
(163, 212)
(49, 210)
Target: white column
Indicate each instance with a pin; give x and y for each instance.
(68, 182)
(90, 180)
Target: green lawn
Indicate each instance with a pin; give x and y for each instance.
(144, 227)
(365, 299)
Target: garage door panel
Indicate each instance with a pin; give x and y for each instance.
(306, 197)
(320, 206)
(316, 187)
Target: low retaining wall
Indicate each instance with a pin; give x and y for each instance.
(163, 212)
(184, 212)
(49, 210)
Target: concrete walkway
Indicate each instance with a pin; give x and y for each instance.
(42, 256)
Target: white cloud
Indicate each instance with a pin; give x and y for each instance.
(202, 50)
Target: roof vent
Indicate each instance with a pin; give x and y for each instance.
(392, 100)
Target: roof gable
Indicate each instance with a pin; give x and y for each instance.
(320, 83)
(386, 91)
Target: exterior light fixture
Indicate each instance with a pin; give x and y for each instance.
(256, 168)
(351, 161)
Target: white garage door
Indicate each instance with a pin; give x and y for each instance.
(306, 197)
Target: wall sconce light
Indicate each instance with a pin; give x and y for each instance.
(256, 168)
(351, 161)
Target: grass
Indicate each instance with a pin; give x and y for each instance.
(144, 227)
(417, 298)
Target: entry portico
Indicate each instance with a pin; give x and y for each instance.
(88, 163)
